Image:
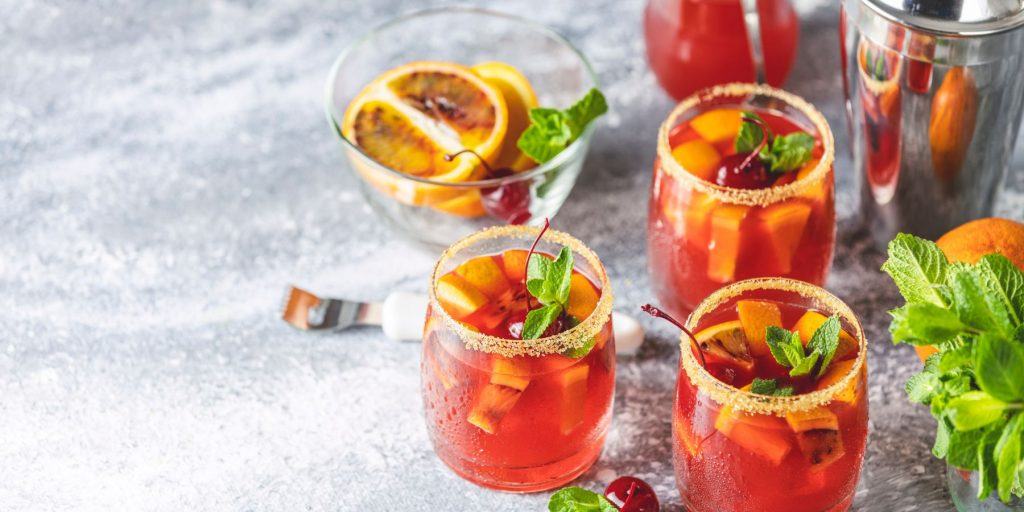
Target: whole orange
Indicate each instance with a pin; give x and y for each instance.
(969, 242)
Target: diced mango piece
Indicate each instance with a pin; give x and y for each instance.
(784, 225)
(717, 125)
(582, 297)
(835, 372)
(485, 275)
(458, 297)
(813, 419)
(508, 372)
(686, 438)
(727, 343)
(756, 316)
(726, 240)
(573, 383)
(514, 263)
(698, 218)
(821, 447)
(811, 321)
(764, 441)
(698, 157)
(493, 403)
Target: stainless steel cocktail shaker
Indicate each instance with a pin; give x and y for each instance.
(934, 92)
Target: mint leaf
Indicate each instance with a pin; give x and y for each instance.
(825, 341)
(560, 276)
(781, 343)
(1000, 367)
(922, 386)
(978, 301)
(750, 134)
(942, 437)
(805, 365)
(1008, 455)
(552, 130)
(769, 387)
(918, 267)
(538, 320)
(1005, 284)
(973, 410)
(987, 475)
(576, 499)
(924, 324)
(963, 448)
(788, 152)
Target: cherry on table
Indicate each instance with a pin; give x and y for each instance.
(632, 494)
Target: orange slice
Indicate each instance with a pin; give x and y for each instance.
(492, 404)
(784, 225)
(755, 317)
(717, 125)
(818, 418)
(485, 275)
(573, 385)
(514, 263)
(726, 342)
(726, 237)
(520, 98)
(510, 373)
(698, 157)
(760, 434)
(811, 321)
(410, 117)
(698, 218)
(459, 298)
(582, 297)
(835, 372)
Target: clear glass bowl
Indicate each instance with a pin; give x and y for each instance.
(439, 213)
(963, 488)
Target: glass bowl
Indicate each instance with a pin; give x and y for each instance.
(437, 212)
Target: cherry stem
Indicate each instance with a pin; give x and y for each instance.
(452, 156)
(526, 272)
(765, 135)
(652, 310)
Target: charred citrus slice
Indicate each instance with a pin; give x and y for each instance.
(519, 98)
(410, 117)
(726, 342)
(756, 316)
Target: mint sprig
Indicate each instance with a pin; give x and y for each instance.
(549, 282)
(578, 499)
(789, 351)
(769, 387)
(552, 130)
(974, 385)
(780, 154)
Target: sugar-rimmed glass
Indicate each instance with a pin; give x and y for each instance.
(561, 406)
(754, 460)
(438, 212)
(702, 236)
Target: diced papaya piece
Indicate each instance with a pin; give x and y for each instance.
(717, 125)
(811, 321)
(742, 429)
(727, 343)
(686, 438)
(784, 225)
(756, 316)
(514, 263)
(485, 275)
(458, 297)
(582, 297)
(813, 419)
(837, 371)
(492, 404)
(698, 218)
(821, 447)
(508, 372)
(698, 157)
(573, 383)
(726, 239)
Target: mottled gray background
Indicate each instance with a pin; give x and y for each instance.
(165, 170)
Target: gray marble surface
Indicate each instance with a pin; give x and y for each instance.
(165, 169)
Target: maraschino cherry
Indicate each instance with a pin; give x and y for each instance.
(509, 202)
(745, 170)
(631, 494)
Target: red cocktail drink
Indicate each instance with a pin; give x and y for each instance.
(505, 412)
(750, 436)
(713, 221)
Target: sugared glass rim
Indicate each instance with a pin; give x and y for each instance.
(749, 197)
(746, 401)
(568, 340)
(566, 155)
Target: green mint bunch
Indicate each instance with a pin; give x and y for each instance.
(578, 499)
(769, 387)
(552, 130)
(788, 350)
(781, 154)
(974, 385)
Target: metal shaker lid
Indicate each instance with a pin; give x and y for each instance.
(953, 17)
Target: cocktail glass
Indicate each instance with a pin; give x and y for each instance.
(701, 235)
(511, 414)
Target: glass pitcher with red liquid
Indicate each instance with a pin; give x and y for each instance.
(693, 44)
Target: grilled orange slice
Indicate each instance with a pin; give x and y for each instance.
(520, 98)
